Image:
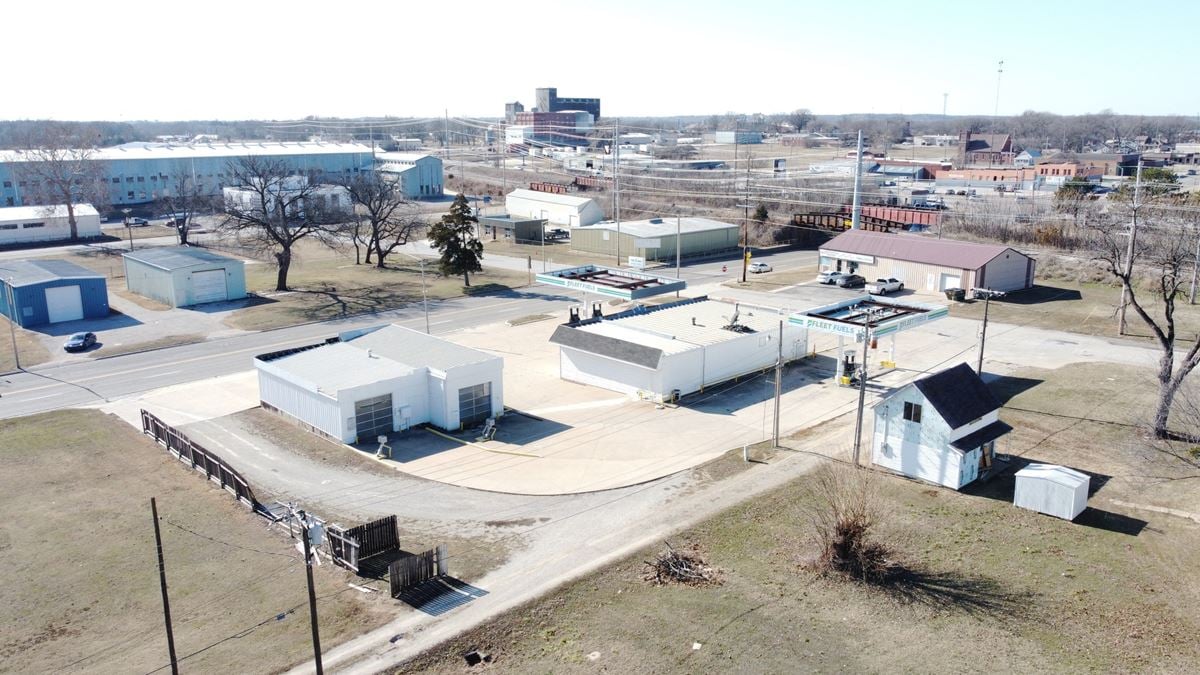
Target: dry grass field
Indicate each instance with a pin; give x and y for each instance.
(30, 347)
(991, 587)
(81, 589)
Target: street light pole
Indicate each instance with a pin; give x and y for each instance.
(862, 389)
(12, 320)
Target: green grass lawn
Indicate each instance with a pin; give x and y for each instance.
(993, 587)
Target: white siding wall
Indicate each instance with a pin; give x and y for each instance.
(53, 228)
(448, 384)
(302, 402)
(918, 277)
(600, 371)
(683, 371)
(406, 391)
(558, 214)
(1006, 272)
(916, 450)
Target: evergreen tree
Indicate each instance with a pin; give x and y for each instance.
(454, 238)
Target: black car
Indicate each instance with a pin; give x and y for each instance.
(851, 281)
(79, 342)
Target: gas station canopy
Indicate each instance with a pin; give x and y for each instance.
(618, 283)
(884, 315)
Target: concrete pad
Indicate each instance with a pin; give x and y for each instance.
(192, 402)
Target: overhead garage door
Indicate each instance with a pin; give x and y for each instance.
(209, 286)
(949, 281)
(373, 417)
(474, 404)
(64, 303)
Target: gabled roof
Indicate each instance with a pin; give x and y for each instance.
(549, 198)
(988, 143)
(958, 394)
(604, 345)
(1054, 473)
(415, 349)
(17, 273)
(177, 257)
(915, 248)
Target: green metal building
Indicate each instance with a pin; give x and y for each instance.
(655, 239)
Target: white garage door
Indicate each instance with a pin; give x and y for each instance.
(950, 281)
(64, 303)
(208, 286)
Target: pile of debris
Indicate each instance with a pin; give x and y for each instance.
(675, 567)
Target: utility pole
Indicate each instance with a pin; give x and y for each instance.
(306, 536)
(856, 210)
(12, 320)
(162, 582)
(503, 169)
(987, 302)
(862, 388)
(617, 183)
(945, 97)
(996, 110)
(778, 387)
(679, 247)
(1137, 195)
(746, 223)
(1195, 268)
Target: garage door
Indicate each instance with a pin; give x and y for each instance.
(373, 417)
(950, 281)
(64, 303)
(208, 286)
(474, 404)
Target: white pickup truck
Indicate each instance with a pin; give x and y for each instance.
(885, 286)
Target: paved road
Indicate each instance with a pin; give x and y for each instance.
(73, 384)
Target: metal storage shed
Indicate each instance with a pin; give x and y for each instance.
(180, 276)
(1052, 489)
(565, 210)
(37, 292)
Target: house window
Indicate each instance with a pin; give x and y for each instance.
(8, 183)
(912, 412)
(29, 226)
(8, 226)
(141, 179)
(116, 180)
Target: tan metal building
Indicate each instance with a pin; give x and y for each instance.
(654, 239)
(926, 264)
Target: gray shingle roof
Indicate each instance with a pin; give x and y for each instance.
(177, 257)
(958, 394)
(614, 348)
(28, 272)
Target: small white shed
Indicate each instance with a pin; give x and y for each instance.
(1052, 489)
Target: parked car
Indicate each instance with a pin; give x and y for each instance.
(885, 286)
(829, 277)
(135, 221)
(759, 267)
(558, 233)
(851, 281)
(79, 342)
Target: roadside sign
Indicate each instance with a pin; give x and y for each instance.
(637, 262)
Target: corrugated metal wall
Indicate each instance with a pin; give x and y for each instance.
(592, 240)
(149, 281)
(320, 411)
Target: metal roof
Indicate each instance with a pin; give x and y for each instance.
(916, 248)
(416, 349)
(332, 368)
(683, 326)
(208, 150)
(178, 257)
(19, 273)
(25, 213)
(549, 198)
(1055, 473)
(660, 227)
(402, 156)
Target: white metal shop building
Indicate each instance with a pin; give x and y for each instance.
(661, 353)
(372, 382)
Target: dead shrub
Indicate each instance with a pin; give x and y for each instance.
(843, 512)
(680, 567)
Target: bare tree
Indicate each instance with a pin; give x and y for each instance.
(58, 167)
(275, 209)
(1162, 253)
(383, 219)
(184, 199)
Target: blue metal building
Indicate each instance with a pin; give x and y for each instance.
(37, 292)
(140, 173)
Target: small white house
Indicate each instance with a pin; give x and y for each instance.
(941, 428)
(1052, 489)
(26, 224)
(376, 381)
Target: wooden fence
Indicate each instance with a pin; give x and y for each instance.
(194, 455)
(416, 568)
(351, 547)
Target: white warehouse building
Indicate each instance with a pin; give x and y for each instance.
(663, 352)
(376, 381)
(28, 224)
(563, 210)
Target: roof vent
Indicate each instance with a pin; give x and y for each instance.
(656, 221)
(370, 354)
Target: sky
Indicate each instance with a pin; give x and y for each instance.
(266, 59)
